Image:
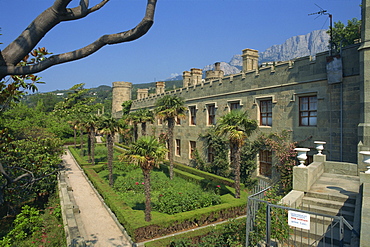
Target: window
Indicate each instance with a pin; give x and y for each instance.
(211, 114)
(192, 148)
(210, 154)
(193, 115)
(234, 105)
(265, 163)
(160, 121)
(308, 111)
(266, 112)
(178, 147)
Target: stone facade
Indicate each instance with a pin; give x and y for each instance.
(337, 113)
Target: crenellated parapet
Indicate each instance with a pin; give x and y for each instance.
(278, 74)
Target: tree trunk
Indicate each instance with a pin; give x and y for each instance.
(89, 145)
(110, 158)
(135, 132)
(92, 146)
(143, 129)
(74, 136)
(81, 144)
(171, 124)
(235, 157)
(148, 206)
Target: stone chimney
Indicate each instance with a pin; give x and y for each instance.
(142, 93)
(250, 59)
(186, 79)
(160, 87)
(215, 74)
(196, 76)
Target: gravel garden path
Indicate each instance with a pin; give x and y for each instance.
(96, 223)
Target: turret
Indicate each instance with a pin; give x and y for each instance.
(121, 92)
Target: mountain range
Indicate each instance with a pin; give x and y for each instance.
(297, 46)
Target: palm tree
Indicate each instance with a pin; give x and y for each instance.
(236, 126)
(91, 123)
(146, 152)
(133, 119)
(110, 127)
(74, 124)
(145, 116)
(168, 108)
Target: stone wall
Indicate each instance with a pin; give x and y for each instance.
(338, 105)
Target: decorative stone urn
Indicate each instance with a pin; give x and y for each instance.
(319, 147)
(302, 155)
(366, 160)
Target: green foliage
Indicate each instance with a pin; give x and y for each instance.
(220, 165)
(162, 224)
(126, 107)
(344, 35)
(31, 164)
(283, 149)
(77, 104)
(13, 89)
(33, 227)
(230, 234)
(280, 229)
(27, 223)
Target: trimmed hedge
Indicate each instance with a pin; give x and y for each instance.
(164, 224)
(195, 234)
(209, 176)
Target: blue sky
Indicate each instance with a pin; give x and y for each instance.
(186, 34)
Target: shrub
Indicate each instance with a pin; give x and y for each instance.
(174, 200)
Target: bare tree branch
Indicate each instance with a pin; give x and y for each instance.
(52, 16)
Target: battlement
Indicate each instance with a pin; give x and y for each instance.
(276, 74)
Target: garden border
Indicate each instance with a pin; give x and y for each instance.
(140, 230)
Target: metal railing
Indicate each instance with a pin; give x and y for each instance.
(267, 225)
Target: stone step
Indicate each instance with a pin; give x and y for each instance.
(332, 197)
(335, 187)
(348, 206)
(348, 215)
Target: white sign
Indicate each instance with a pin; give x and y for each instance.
(298, 219)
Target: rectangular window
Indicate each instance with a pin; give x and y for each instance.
(265, 163)
(234, 105)
(210, 154)
(192, 148)
(308, 111)
(193, 115)
(160, 121)
(211, 114)
(178, 147)
(266, 112)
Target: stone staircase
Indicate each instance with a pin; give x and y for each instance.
(332, 194)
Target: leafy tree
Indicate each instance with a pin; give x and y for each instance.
(220, 164)
(12, 55)
(237, 127)
(169, 108)
(134, 120)
(147, 152)
(91, 123)
(145, 116)
(13, 88)
(77, 104)
(28, 167)
(110, 127)
(346, 35)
